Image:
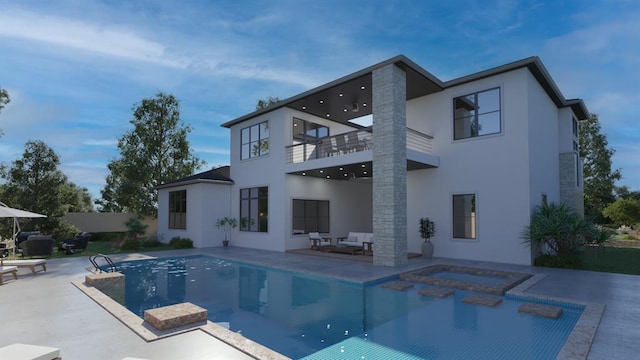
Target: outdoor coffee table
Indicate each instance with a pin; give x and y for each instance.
(351, 250)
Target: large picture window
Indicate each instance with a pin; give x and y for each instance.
(476, 114)
(254, 141)
(464, 216)
(310, 216)
(178, 209)
(254, 209)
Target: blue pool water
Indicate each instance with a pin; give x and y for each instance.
(312, 317)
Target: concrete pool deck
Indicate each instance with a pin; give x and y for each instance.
(46, 309)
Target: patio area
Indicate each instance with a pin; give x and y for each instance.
(46, 309)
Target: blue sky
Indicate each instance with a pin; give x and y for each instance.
(74, 68)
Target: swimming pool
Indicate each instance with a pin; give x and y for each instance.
(312, 317)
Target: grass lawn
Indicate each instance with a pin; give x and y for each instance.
(622, 260)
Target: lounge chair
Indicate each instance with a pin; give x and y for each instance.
(8, 270)
(318, 241)
(29, 352)
(29, 263)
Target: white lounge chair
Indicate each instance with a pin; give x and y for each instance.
(29, 263)
(4, 270)
(29, 352)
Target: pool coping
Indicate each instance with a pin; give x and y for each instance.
(576, 347)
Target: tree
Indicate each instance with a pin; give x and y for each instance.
(623, 212)
(265, 103)
(35, 183)
(154, 152)
(599, 179)
(4, 100)
(623, 192)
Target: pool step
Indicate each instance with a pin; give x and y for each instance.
(169, 317)
(490, 301)
(547, 311)
(436, 292)
(398, 285)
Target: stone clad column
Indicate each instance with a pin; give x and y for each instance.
(389, 166)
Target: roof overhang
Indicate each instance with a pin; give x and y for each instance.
(540, 73)
(350, 97)
(193, 181)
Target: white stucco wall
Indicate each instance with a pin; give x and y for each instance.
(206, 202)
(493, 167)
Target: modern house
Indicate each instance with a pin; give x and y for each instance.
(474, 154)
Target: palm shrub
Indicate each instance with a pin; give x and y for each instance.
(560, 229)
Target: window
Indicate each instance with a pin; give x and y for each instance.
(254, 141)
(543, 199)
(464, 216)
(254, 212)
(307, 131)
(178, 209)
(575, 127)
(310, 216)
(476, 114)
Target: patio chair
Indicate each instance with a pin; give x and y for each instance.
(76, 243)
(318, 241)
(38, 245)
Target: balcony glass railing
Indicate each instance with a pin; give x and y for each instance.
(350, 142)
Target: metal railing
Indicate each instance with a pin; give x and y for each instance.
(93, 260)
(350, 142)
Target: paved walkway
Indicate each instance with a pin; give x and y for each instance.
(46, 309)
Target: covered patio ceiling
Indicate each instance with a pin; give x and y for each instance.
(363, 170)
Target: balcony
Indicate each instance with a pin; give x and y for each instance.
(350, 143)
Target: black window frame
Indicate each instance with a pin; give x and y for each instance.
(178, 209)
(477, 114)
(473, 216)
(255, 201)
(255, 147)
(316, 221)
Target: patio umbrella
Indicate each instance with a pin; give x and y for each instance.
(9, 212)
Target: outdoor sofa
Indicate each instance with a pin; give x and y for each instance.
(38, 245)
(76, 243)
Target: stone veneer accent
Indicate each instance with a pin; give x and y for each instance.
(112, 284)
(570, 193)
(389, 166)
(173, 316)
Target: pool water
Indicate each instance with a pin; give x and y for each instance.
(312, 317)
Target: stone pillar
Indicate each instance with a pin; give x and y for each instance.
(389, 166)
(571, 184)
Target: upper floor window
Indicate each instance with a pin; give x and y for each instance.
(254, 209)
(575, 127)
(476, 114)
(307, 131)
(255, 141)
(178, 209)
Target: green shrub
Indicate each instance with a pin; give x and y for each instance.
(566, 261)
(181, 243)
(150, 242)
(108, 236)
(131, 244)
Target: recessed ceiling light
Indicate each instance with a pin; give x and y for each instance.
(304, 108)
(362, 87)
(328, 176)
(363, 165)
(295, 124)
(341, 94)
(345, 110)
(304, 174)
(321, 171)
(328, 115)
(321, 101)
(346, 175)
(341, 169)
(364, 104)
(364, 172)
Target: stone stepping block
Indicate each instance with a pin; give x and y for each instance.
(490, 301)
(398, 285)
(436, 292)
(547, 311)
(173, 316)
